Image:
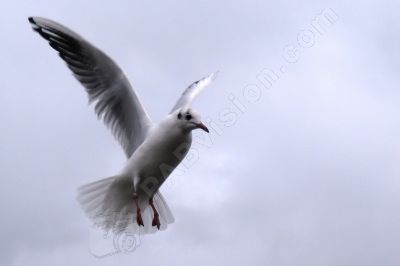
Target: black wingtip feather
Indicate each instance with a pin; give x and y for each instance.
(34, 25)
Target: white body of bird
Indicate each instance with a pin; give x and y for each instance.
(158, 155)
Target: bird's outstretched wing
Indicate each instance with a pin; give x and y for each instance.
(115, 101)
(192, 91)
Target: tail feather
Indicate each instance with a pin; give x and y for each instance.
(163, 209)
(96, 185)
(109, 205)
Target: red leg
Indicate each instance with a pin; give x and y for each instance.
(156, 220)
(139, 219)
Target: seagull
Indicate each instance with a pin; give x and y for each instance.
(130, 199)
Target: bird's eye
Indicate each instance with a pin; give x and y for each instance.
(188, 116)
(179, 116)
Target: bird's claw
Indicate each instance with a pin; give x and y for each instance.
(156, 222)
(139, 219)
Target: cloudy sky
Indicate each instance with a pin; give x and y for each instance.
(306, 172)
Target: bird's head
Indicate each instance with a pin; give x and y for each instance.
(189, 120)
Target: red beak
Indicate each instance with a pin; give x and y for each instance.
(203, 127)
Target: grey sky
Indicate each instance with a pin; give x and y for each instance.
(307, 175)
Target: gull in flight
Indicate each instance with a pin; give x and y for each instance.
(131, 198)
